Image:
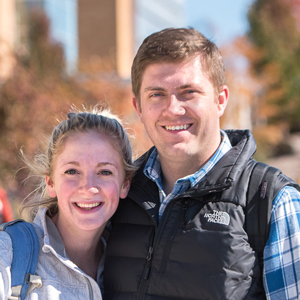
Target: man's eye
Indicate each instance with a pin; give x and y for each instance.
(190, 94)
(189, 91)
(154, 95)
(71, 172)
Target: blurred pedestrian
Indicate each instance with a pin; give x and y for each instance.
(6, 211)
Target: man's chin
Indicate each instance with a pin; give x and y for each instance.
(178, 151)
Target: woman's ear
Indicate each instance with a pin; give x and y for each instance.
(125, 189)
(50, 187)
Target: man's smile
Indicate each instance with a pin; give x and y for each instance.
(178, 127)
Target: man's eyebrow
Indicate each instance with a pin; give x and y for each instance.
(157, 88)
(185, 86)
(153, 88)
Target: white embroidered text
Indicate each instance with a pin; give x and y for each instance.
(219, 217)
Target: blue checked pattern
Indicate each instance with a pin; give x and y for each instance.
(153, 171)
(282, 251)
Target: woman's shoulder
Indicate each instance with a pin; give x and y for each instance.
(5, 241)
(5, 264)
(6, 250)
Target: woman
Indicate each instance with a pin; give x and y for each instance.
(86, 168)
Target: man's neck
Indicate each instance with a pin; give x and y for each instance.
(171, 172)
(174, 168)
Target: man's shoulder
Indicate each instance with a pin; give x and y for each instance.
(287, 195)
(266, 172)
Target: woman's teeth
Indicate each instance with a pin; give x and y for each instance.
(88, 206)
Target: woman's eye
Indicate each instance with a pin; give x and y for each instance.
(105, 172)
(71, 172)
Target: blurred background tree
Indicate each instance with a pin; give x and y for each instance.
(275, 34)
(263, 74)
(39, 93)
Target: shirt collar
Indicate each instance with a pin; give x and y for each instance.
(153, 168)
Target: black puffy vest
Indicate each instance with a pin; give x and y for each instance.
(199, 249)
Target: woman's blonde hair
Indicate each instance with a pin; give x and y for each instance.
(101, 121)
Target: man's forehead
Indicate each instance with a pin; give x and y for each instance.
(155, 72)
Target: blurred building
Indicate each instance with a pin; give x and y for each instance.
(295, 11)
(109, 29)
(7, 37)
(154, 15)
(105, 29)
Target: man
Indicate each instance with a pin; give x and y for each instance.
(180, 233)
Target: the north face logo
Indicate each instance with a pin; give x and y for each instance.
(220, 217)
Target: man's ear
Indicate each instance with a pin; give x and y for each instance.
(137, 107)
(223, 99)
(50, 187)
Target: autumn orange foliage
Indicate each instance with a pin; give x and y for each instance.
(39, 94)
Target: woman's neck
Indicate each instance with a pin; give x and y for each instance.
(83, 247)
(86, 257)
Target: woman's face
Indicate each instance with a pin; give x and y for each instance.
(87, 179)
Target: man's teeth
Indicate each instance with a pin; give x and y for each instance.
(178, 127)
(90, 205)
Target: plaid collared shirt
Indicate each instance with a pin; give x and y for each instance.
(282, 251)
(153, 171)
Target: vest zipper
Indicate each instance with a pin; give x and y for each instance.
(171, 239)
(149, 257)
(141, 293)
(147, 270)
(142, 288)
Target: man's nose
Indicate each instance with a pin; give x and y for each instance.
(174, 106)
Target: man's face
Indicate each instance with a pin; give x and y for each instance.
(180, 110)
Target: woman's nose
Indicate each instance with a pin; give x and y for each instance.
(89, 186)
(93, 190)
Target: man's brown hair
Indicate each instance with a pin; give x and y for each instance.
(174, 45)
